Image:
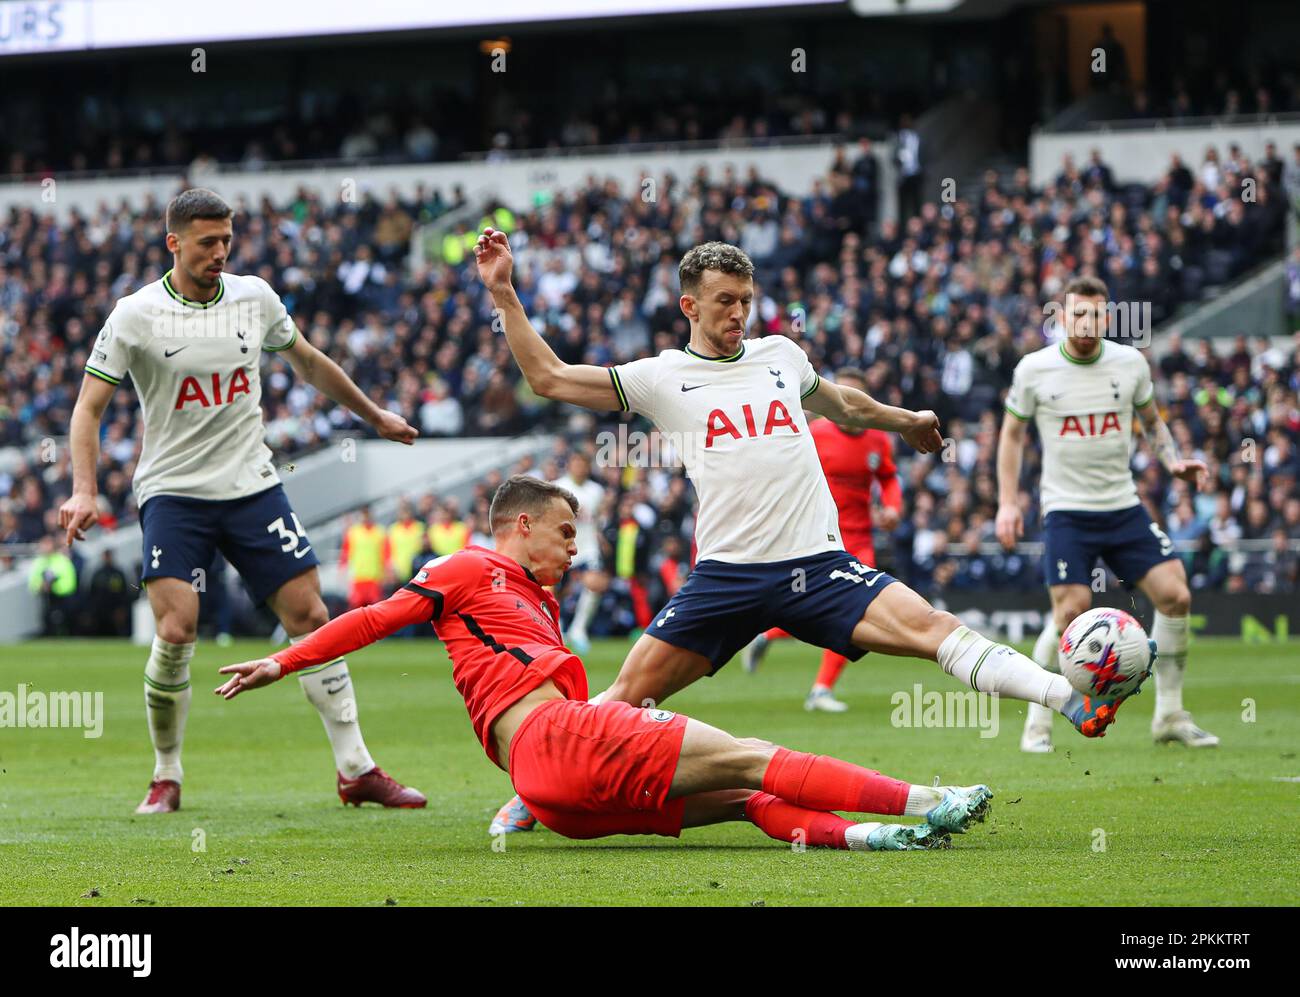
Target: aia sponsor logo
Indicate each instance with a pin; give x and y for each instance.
(721, 424)
(205, 394)
(1092, 424)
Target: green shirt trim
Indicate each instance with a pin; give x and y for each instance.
(618, 390)
(102, 376)
(187, 302)
(1022, 418)
(731, 359)
(817, 381)
(278, 349)
(1101, 347)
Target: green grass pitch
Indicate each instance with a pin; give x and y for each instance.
(1110, 822)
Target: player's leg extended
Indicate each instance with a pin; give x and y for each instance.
(594, 584)
(1166, 586)
(329, 688)
(167, 692)
(898, 621)
(793, 793)
(1068, 601)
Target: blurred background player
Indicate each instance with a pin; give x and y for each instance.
(852, 461)
(192, 345)
(365, 553)
(1082, 394)
(588, 573)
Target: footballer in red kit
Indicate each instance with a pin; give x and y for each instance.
(589, 769)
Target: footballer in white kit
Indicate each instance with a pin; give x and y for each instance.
(1082, 394)
(767, 530)
(205, 483)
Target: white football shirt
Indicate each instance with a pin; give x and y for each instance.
(195, 367)
(1084, 413)
(737, 424)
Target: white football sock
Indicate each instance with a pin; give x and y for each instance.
(989, 667)
(328, 687)
(167, 703)
(588, 603)
(921, 800)
(1170, 633)
(1047, 650)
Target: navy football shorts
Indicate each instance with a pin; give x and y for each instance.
(818, 599)
(259, 535)
(1127, 541)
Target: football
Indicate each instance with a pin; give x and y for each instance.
(1106, 653)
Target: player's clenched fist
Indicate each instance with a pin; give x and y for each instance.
(392, 426)
(923, 434)
(77, 515)
(1009, 525)
(248, 675)
(492, 253)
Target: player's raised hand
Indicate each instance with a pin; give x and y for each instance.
(1193, 471)
(923, 434)
(77, 515)
(248, 675)
(392, 426)
(495, 263)
(1009, 525)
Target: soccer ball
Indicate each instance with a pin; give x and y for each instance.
(1106, 653)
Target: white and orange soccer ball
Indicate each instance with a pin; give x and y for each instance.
(1106, 653)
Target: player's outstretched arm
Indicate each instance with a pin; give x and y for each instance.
(338, 637)
(857, 410)
(1166, 450)
(79, 513)
(1009, 524)
(328, 378)
(579, 384)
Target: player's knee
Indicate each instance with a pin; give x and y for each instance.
(1065, 611)
(1177, 602)
(176, 630)
(310, 617)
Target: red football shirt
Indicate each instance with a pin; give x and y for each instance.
(500, 626)
(851, 462)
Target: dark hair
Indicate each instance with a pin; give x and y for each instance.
(720, 256)
(197, 202)
(523, 493)
(854, 372)
(1087, 287)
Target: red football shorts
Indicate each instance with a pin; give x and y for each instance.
(364, 593)
(587, 771)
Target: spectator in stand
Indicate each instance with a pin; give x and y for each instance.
(364, 555)
(53, 577)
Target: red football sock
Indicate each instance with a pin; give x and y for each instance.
(776, 633)
(823, 783)
(784, 821)
(832, 665)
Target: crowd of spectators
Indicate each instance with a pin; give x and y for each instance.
(936, 309)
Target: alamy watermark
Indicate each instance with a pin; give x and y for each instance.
(36, 709)
(952, 708)
(1127, 320)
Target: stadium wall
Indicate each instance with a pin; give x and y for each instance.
(1141, 155)
(516, 182)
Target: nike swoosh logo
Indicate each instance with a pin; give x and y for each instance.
(172, 353)
(693, 387)
(303, 552)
